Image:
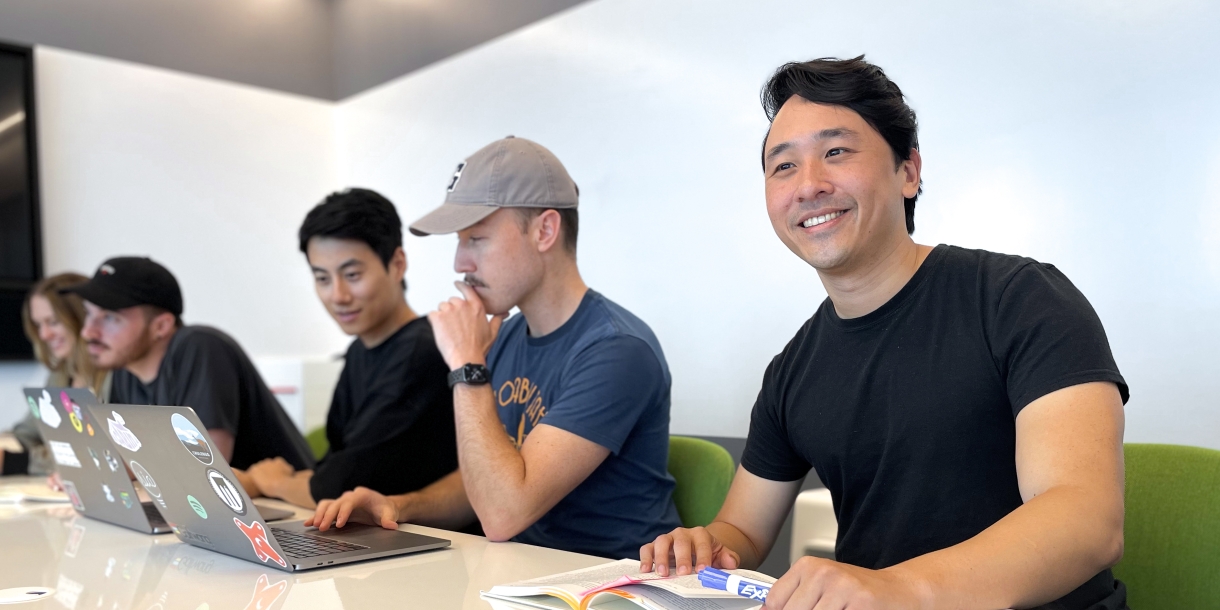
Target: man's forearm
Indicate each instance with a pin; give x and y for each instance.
(442, 504)
(492, 467)
(738, 542)
(1036, 554)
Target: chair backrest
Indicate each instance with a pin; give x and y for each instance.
(317, 442)
(703, 471)
(1171, 536)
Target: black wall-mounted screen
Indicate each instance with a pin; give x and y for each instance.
(20, 230)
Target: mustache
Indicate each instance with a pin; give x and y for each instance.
(473, 281)
(96, 343)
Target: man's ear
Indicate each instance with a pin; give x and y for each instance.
(912, 170)
(546, 228)
(398, 264)
(163, 325)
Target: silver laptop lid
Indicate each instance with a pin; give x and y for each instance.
(88, 464)
(172, 456)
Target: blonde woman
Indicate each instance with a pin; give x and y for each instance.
(52, 323)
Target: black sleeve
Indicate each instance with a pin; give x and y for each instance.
(207, 378)
(1045, 336)
(769, 453)
(401, 437)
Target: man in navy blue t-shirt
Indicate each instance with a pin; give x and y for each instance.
(562, 412)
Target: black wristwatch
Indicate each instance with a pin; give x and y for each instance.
(470, 374)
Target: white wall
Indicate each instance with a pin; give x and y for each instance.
(1082, 133)
(208, 177)
(1079, 132)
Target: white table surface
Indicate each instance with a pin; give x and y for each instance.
(97, 566)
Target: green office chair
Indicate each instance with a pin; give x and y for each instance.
(317, 442)
(1172, 533)
(703, 471)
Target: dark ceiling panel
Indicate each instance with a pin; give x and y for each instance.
(328, 49)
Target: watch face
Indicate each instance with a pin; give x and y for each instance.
(476, 373)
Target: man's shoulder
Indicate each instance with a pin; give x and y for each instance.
(198, 341)
(997, 278)
(610, 320)
(991, 267)
(198, 334)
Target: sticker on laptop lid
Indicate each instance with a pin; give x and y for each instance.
(258, 539)
(73, 411)
(120, 434)
(47, 412)
(106, 490)
(64, 454)
(195, 441)
(93, 455)
(126, 498)
(226, 491)
(73, 495)
(33, 407)
(89, 429)
(197, 506)
(112, 461)
(145, 479)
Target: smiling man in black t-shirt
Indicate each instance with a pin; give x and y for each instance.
(390, 425)
(963, 407)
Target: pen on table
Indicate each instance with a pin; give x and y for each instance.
(711, 578)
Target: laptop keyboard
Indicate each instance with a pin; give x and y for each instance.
(304, 545)
(154, 516)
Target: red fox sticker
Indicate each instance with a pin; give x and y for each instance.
(258, 539)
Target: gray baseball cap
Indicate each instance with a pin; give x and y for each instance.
(509, 173)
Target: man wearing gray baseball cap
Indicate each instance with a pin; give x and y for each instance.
(562, 412)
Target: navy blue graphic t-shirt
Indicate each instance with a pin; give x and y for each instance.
(600, 376)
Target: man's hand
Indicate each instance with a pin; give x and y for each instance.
(269, 474)
(683, 546)
(824, 584)
(463, 333)
(247, 483)
(361, 505)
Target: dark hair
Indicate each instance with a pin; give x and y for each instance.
(569, 223)
(359, 214)
(857, 85)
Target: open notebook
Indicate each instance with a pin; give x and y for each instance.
(619, 585)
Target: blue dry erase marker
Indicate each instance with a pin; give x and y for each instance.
(711, 578)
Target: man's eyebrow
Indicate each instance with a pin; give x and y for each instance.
(825, 134)
(349, 263)
(777, 149)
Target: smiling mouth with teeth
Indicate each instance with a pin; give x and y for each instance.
(817, 220)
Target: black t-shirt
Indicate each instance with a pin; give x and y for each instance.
(206, 370)
(908, 413)
(390, 424)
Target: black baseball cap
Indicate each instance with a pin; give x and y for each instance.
(128, 281)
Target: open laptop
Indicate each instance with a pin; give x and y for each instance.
(89, 466)
(207, 507)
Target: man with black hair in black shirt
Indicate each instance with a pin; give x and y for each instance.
(133, 325)
(963, 407)
(390, 425)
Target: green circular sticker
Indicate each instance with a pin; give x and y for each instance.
(195, 504)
